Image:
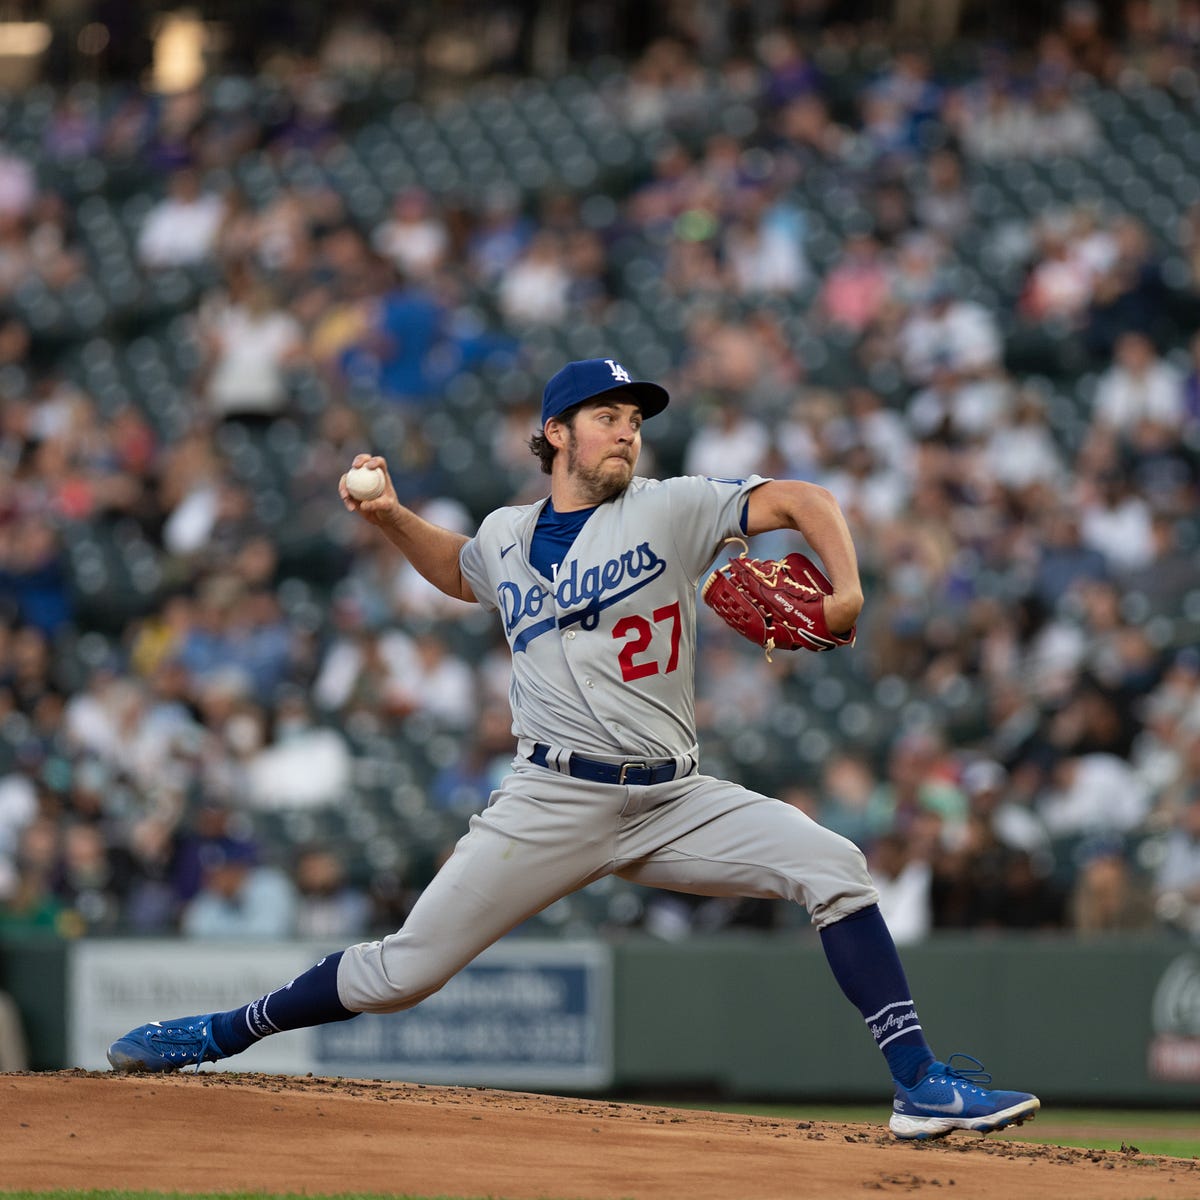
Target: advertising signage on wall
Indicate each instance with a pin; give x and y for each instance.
(524, 1014)
(1175, 1046)
(527, 1014)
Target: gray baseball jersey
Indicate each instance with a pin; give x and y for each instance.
(603, 657)
(603, 670)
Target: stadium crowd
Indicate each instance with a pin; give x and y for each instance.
(1004, 398)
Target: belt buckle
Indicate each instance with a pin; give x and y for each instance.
(626, 766)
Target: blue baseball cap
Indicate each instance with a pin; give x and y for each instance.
(592, 377)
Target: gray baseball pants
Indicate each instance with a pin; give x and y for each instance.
(544, 835)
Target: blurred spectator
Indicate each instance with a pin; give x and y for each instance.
(851, 801)
(735, 690)
(1108, 896)
(87, 882)
(1118, 522)
(1191, 395)
(1168, 571)
(1060, 285)
(327, 907)
(18, 808)
(943, 205)
(534, 288)
(249, 341)
(1062, 126)
(152, 901)
(985, 783)
(1063, 559)
(920, 780)
(728, 444)
(1129, 294)
(407, 325)
(34, 581)
(414, 237)
(442, 685)
(18, 184)
(764, 247)
(499, 237)
(181, 229)
(868, 486)
(239, 898)
(390, 675)
(857, 287)
(981, 883)
(303, 765)
(903, 882)
(789, 72)
(32, 906)
(951, 333)
(1177, 880)
(1021, 451)
(1138, 387)
(465, 785)
(1094, 794)
(992, 121)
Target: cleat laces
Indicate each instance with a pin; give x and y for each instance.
(183, 1040)
(968, 1074)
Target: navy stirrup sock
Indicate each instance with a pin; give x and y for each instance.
(310, 999)
(864, 961)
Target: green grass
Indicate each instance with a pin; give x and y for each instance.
(1172, 1132)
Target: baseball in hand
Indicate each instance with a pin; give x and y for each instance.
(364, 483)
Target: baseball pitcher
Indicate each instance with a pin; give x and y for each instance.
(596, 589)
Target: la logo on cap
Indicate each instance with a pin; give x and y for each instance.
(590, 378)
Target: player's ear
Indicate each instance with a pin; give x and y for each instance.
(555, 433)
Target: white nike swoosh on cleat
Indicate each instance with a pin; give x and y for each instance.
(956, 1107)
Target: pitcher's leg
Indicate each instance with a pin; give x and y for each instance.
(489, 885)
(533, 845)
(722, 840)
(729, 841)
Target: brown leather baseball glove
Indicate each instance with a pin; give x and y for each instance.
(778, 604)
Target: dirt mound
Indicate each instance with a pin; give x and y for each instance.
(222, 1131)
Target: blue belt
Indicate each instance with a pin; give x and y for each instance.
(635, 773)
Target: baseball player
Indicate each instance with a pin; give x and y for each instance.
(596, 588)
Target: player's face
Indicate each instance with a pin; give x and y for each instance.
(602, 448)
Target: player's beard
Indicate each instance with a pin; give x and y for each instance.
(600, 482)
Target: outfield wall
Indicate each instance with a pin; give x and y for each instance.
(1114, 1021)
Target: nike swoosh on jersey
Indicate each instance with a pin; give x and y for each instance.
(506, 550)
(956, 1107)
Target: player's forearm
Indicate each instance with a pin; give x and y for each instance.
(824, 527)
(430, 548)
(814, 513)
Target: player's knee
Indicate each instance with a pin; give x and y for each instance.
(377, 978)
(842, 883)
(842, 859)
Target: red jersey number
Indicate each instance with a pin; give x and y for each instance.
(638, 633)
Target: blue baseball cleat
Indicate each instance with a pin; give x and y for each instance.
(947, 1098)
(166, 1045)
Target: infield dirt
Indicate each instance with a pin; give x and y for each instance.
(221, 1131)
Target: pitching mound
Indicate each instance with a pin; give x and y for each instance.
(227, 1132)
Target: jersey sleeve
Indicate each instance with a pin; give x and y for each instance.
(706, 511)
(471, 561)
